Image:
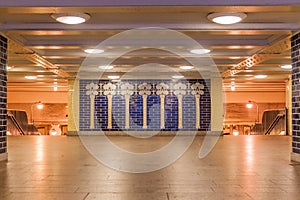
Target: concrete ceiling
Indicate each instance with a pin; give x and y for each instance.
(34, 35)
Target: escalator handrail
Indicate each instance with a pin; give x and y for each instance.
(16, 123)
(274, 123)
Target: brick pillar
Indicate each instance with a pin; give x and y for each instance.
(3, 80)
(295, 155)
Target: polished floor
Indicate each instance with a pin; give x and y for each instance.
(242, 167)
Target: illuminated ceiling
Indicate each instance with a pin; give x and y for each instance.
(53, 52)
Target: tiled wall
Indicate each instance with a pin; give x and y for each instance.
(3, 80)
(136, 108)
(296, 92)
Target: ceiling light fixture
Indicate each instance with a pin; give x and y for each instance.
(8, 67)
(30, 77)
(106, 67)
(113, 77)
(260, 76)
(200, 51)
(71, 18)
(186, 67)
(55, 88)
(178, 76)
(226, 18)
(232, 86)
(286, 66)
(93, 51)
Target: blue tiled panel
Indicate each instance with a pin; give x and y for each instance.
(101, 112)
(84, 110)
(189, 112)
(295, 42)
(171, 113)
(153, 112)
(118, 112)
(205, 109)
(153, 109)
(136, 112)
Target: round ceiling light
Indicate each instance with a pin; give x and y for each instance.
(113, 77)
(186, 67)
(260, 76)
(31, 77)
(200, 51)
(8, 67)
(177, 76)
(93, 51)
(226, 18)
(286, 66)
(106, 67)
(71, 18)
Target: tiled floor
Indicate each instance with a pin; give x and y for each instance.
(243, 167)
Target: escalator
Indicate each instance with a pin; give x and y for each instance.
(17, 124)
(273, 123)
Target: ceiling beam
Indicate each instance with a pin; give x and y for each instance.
(35, 58)
(266, 54)
(80, 3)
(118, 43)
(127, 26)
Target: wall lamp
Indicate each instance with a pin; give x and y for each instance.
(39, 105)
(250, 105)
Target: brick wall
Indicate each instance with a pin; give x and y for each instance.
(153, 108)
(3, 80)
(296, 93)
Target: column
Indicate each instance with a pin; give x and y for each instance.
(295, 44)
(162, 111)
(92, 112)
(179, 111)
(127, 112)
(73, 107)
(145, 111)
(109, 109)
(217, 111)
(197, 97)
(3, 102)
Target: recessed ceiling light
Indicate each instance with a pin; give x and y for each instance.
(71, 18)
(186, 67)
(93, 51)
(286, 66)
(260, 76)
(106, 67)
(8, 67)
(113, 77)
(178, 76)
(55, 88)
(226, 18)
(200, 51)
(232, 86)
(30, 77)
(248, 75)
